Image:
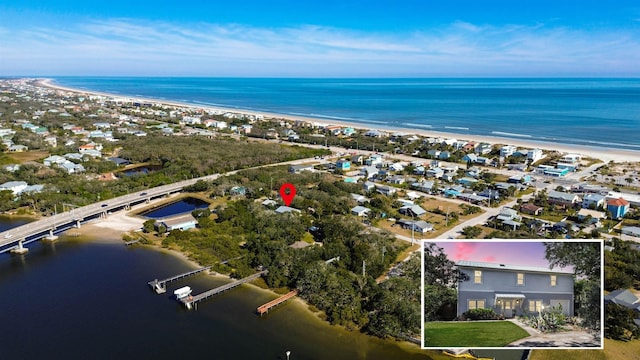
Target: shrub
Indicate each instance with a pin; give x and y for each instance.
(480, 314)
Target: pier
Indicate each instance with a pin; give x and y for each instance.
(160, 286)
(266, 307)
(191, 301)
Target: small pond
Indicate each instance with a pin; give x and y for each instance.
(182, 206)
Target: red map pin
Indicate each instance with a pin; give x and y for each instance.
(287, 192)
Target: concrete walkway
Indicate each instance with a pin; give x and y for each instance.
(556, 339)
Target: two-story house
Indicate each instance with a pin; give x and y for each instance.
(513, 290)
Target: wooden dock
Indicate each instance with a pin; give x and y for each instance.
(266, 307)
(160, 286)
(191, 301)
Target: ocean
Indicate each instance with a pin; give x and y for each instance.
(589, 111)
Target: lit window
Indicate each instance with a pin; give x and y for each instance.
(553, 280)
(520, 279)
(476, 304)
(477, 278)
(535, 305)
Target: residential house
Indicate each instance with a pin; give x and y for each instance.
(386, 190)
(508, 214)
(348, 131)
(425, 186)
(444, 155)
(433, 153)
(593, 215)
(570, 158)
(624, 297)
(419, 226)
(360, 210)
(593, 201)
(360, 199)
(343, 165)
(435, 173)
(368, 186)
(374, 160)
(531, 209)
(483, 149)
(396, 179)
(472, 198)
(285, 209)
(413, 195)
(512, 289)
(14, 186)
(419, 170)
(297, 169)
(562, 198)
(618, 207)
(467, 181)
(471, 157)
(374, 133)
(180, 222)
(507, 150)
(534, 155)
(269, 202)
(412, 210)
(18, 148)
(357, 159)
(369, 171)
(397, 166)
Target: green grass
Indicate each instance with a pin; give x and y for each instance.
(613, 350)
(472, 333)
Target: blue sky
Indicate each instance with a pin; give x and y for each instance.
(524, 253)
(328, 38)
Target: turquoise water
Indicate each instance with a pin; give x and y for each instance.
(592, 112)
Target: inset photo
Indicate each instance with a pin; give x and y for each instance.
(512, 294)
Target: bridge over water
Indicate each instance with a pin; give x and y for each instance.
(14, 239)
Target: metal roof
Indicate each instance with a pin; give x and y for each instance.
(486, 265)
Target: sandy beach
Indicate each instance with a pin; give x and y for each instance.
(602, 153)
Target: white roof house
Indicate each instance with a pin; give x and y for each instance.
(15, 186)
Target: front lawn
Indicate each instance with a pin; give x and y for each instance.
(613, 350)
(471, 333)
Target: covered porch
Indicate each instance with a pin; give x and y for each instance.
(508, 304)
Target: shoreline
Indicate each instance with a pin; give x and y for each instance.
(111, 229)
(597, 152)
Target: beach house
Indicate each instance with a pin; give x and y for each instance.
(513, 289)
(618, 208)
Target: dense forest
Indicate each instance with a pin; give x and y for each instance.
(172, 158)
(340, 267)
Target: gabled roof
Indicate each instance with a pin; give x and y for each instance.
(624, 298)
(618, 202)
(486, 265)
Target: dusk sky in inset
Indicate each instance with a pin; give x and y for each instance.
(329, 38)
(501, 252)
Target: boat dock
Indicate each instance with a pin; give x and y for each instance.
(160, 286)
(266, 307)
(191, 301)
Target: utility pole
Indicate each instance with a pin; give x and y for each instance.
(364, 269)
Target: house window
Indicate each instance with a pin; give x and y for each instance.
(553, 280)
(477, 277)
(520, 280)
(476, 304)
(535, 305)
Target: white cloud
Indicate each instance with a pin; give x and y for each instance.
(127, 46)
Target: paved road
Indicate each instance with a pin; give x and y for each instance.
(14, 235)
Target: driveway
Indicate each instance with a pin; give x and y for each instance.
(556, 339)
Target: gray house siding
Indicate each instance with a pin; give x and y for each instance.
(500, 291)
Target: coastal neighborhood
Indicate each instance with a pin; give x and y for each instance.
(432, 185)
(390, 190)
